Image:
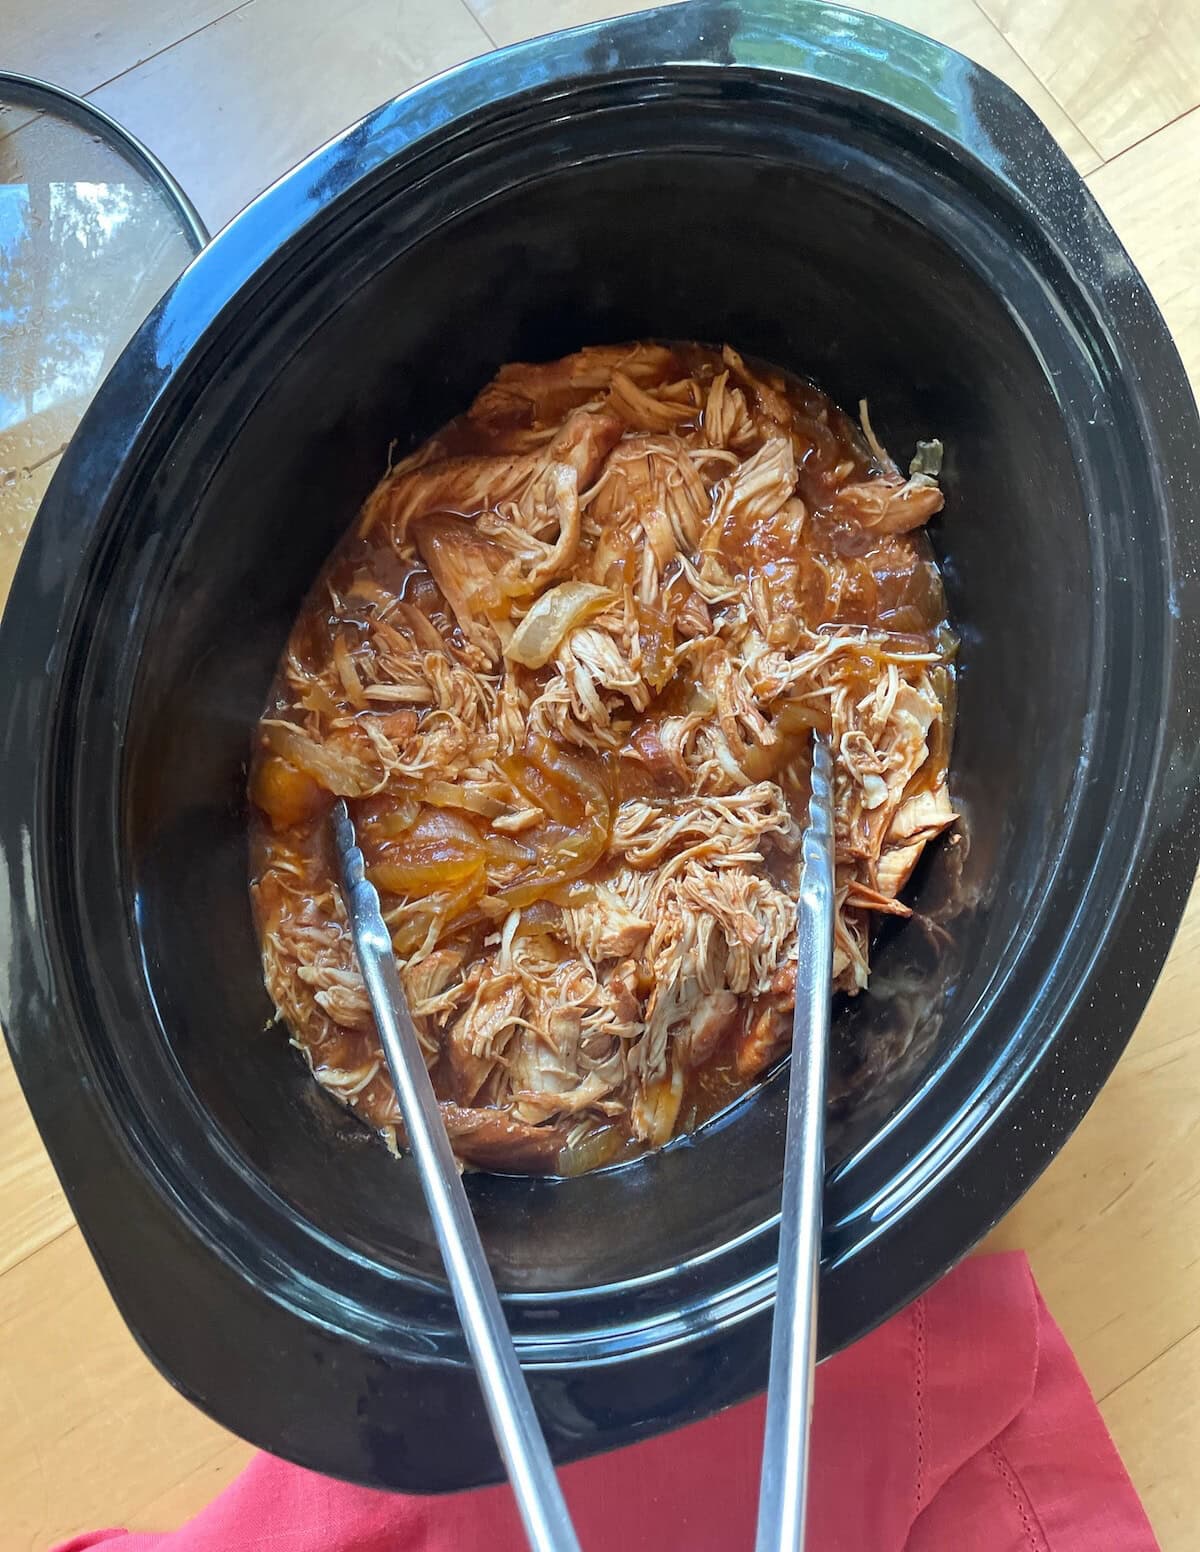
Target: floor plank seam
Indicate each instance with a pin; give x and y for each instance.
(1149, 1364)
(481, 24)
(167, 47)
(37, 1250)
(1057, 101)
(1134, 144)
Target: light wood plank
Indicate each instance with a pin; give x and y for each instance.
(958, 23)
(33, 1209)
(232, 108)
(1120, 68)
(90, 1434)
(1151, 194)
(1154, 1419)
(1113, 1227)
(85, 43)
(195, 1489)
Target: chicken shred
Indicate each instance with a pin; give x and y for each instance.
(590, 868)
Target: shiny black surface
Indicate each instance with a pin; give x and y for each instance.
(827, 191)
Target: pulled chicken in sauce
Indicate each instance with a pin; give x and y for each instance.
(565, 669)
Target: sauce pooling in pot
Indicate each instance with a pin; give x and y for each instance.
(565, 669)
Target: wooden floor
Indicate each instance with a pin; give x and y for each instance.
(230, 96)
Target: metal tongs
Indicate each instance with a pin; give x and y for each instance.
(783, 1490)
(793, 1350)
(505, 1393)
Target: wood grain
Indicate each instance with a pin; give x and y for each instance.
(90, 1434)
(33, 1209)
(274, 80)
(1120, 69)
(1155, 1419)
(1113, 1227)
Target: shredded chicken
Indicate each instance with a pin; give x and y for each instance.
(566, 669)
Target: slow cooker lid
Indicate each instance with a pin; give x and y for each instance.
(93, 230)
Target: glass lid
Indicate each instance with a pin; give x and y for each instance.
(92, 232)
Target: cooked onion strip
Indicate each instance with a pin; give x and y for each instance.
(551, 617)
(337, 770)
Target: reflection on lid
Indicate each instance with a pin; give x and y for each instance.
(87, 246)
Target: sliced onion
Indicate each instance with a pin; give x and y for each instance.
(444, 794)
(347, 672)
(438, 912)
(409, 877)
(504, 849)
(286, 795)
(441, 850)
(567, 854)
(343, 774)
(796, 717)
(594, 1150)
(794, 724)
(572, 786)
(398, 820)
(560, 609)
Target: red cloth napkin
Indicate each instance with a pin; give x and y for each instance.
(963, 1425)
